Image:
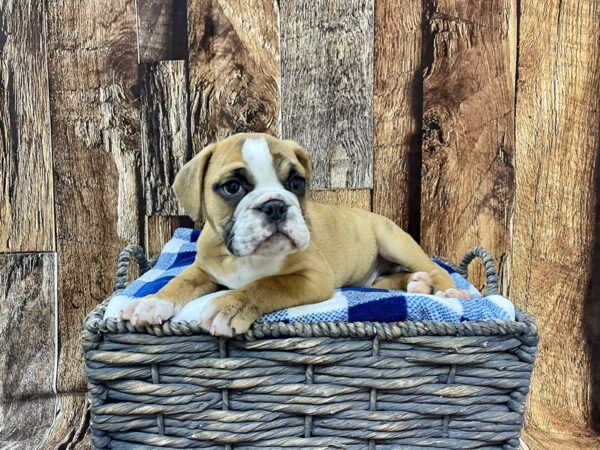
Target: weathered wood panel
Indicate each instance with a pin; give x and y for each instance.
(71, 426)
(159, 229)
(468, 128)
(233, 68)
(397, 112)
(327, 87)
(161, 30)
(92, 64)
(26, 213)
(164, 133)
(26, 348)
(354, 198)
(556, 159)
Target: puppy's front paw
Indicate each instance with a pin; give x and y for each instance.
(149, 311)
(420, 283)
(453, 293)
(228, 316)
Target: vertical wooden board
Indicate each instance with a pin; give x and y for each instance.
(327, 87)
(233, 68)
(27, 356)
(397, 112)
(161, 30)
(164, 133)
(92, 63)
(468, 129)
(71, 425)
(352, 198)
(26, 214)
(159, 229)
(555, 212)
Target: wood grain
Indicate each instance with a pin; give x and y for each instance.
(71, 426)
(26, 214)
(327, 87)
(355, 198)
(164, 133)
(161, 30)
(397, 112)
(535, 439)
(555, 212)
(233, 68)
(468, 129)
(159, 229)
(92, 62)
(26, 348)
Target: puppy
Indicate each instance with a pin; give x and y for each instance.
(276, 249)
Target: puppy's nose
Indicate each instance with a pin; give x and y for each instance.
(275, 210)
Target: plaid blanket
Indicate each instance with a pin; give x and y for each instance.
(348, 304)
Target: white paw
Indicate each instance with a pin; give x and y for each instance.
(453, 293)
(420, 283)
(149, 311)
(228, 316)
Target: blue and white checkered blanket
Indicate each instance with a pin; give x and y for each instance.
(348, 304)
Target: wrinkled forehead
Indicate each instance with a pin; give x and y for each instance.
(262, 156)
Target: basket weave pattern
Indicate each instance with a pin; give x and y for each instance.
(329, 385)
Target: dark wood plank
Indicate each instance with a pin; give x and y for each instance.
(468, 129)
(397, 112)
(164, 133)
(556, 222)
(327, 87)
(352, 198)
(92, 62)
(233, 68)
(26, 214)
(27, 356)
(159, 229)
(161, 30)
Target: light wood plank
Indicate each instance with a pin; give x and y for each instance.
(161, 30)
(468, 130)
(233, 68)
(164, 133)
(26, 348)
(397, 112)
(356, 198)
(26, 214)
(327, 87)
(97, 158)
(556, 211)
(71, 426)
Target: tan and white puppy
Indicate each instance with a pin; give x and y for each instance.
(265, 240)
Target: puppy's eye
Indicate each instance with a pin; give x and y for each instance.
(232, 187)
(297, 184)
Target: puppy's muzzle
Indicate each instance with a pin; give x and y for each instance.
(274, 210)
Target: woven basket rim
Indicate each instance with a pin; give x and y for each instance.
(524, 325)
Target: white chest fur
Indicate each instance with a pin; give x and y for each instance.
(242, 270)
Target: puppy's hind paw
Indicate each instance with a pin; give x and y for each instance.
(420, 283)
(454, 293)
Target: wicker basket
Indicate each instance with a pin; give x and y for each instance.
(404, 385)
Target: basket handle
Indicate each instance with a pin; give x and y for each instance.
(129, 252)
(491, 273)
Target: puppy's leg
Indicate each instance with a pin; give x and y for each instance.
(397, 246)
(412, 282)
(234, 312)
(157, 308)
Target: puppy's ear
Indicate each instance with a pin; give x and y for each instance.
(304, 159)
(189, 181)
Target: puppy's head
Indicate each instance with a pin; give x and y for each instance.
(253, 189)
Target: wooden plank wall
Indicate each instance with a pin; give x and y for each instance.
(466, 122)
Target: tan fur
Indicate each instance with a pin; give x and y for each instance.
(346, 246)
